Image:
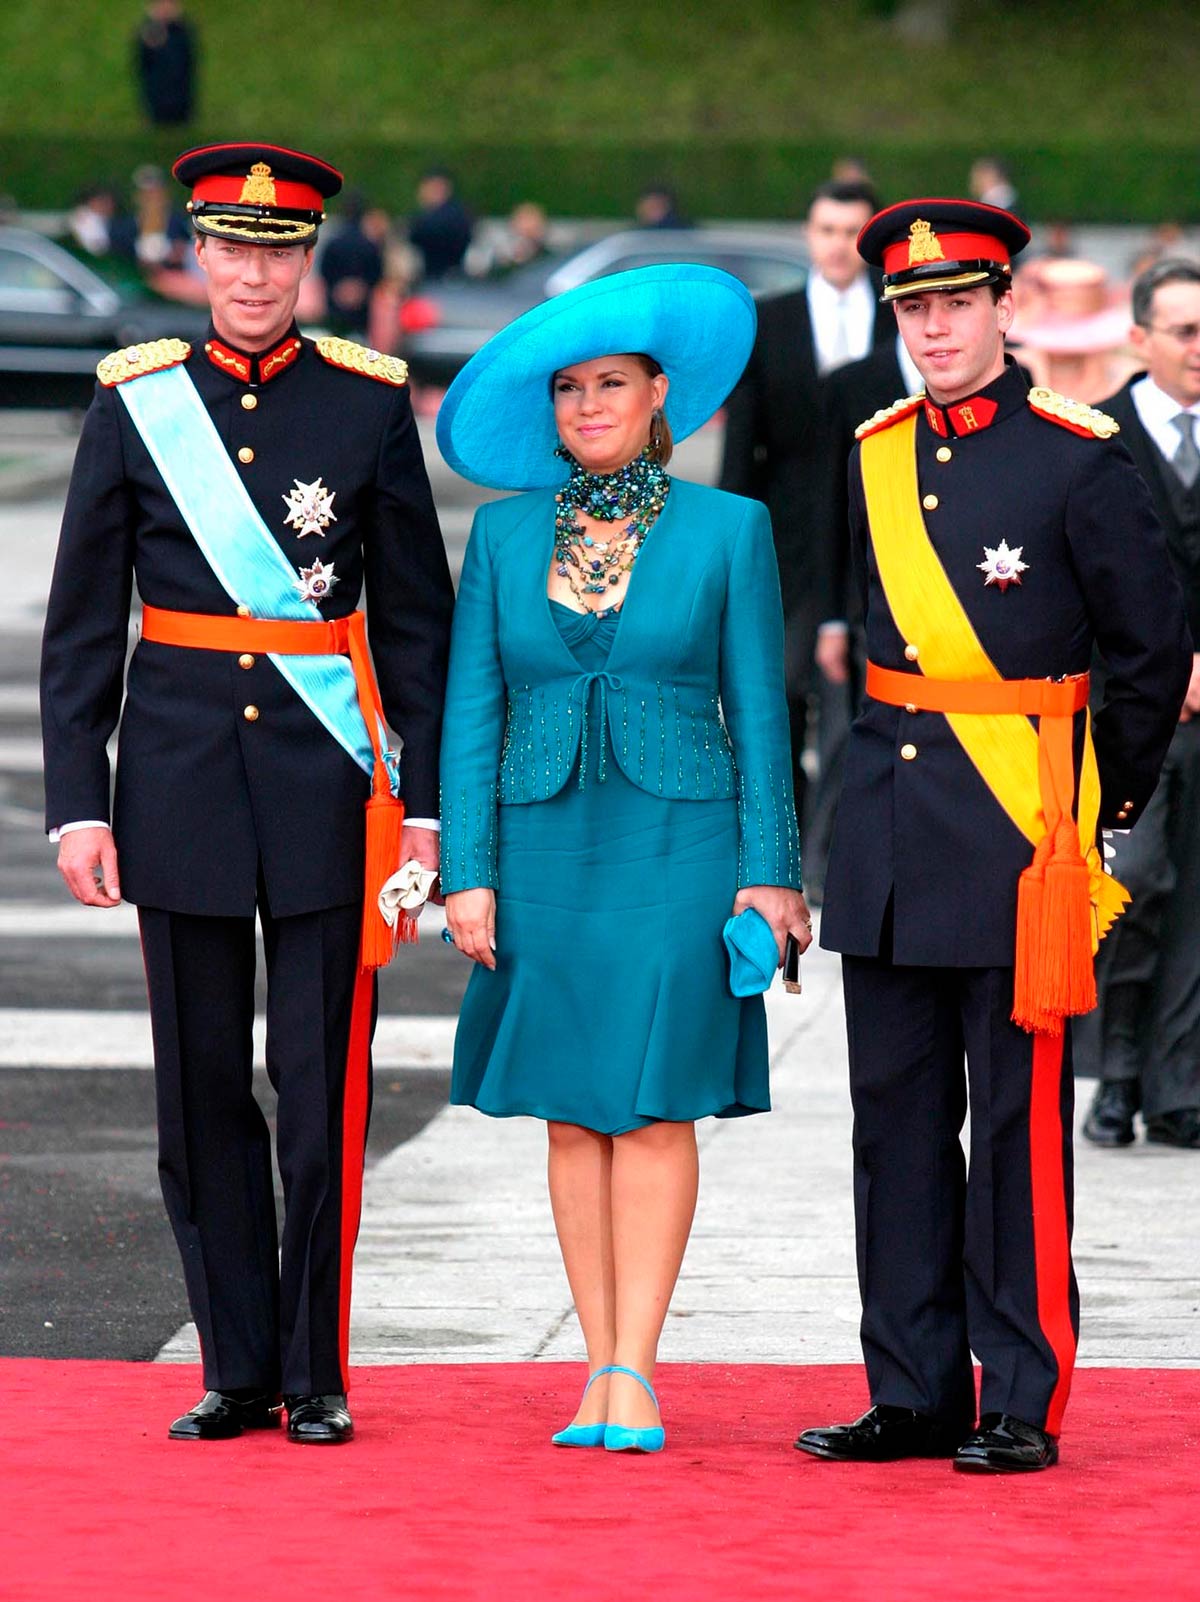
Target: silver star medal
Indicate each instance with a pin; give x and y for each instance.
(315, 582)
(1002, 566)
(310, 507)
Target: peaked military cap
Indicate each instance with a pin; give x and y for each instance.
(923, 245)
(258, 194)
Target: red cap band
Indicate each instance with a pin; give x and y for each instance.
(954, 247)
(289, 196)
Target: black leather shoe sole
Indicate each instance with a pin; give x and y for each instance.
(968, 1460)
(225, 1420)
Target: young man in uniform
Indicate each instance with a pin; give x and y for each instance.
(253, 489)
(992, 527)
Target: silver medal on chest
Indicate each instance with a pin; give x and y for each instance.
(1002, 566)
(310, 507)
(315, 582)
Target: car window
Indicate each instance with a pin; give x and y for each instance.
(761, 272)
(19, 271)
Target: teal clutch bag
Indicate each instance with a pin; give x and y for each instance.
(753, 954)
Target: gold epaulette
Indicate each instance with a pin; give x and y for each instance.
(358, 359)
(135, 360)
(1075, 415)
(888, 415)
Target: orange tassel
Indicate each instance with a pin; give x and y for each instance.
(385, 820)
(1028, 1011)
(1067, 960)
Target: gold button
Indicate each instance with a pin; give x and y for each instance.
(250, 713)
(245, 454)
(1127, 804)
(908, 752)
(909, 707)
(911, 653)
(929, 502)
(943, 452)
(249, 402)
(243, 610)
(245, 661)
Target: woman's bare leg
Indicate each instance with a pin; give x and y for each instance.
(580, 1174)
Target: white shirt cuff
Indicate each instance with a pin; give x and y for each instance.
(55, 835)
(423, 823)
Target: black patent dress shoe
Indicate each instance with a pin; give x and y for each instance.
(1181, 1128)
(883, 1435)
(319, 1420)
(224, 1415)
(1006, 1445)
(1110, 1117)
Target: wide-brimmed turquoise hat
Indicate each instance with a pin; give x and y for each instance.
(496, 424)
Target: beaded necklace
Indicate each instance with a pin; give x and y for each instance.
(637, 492)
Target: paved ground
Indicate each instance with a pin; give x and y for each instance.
(457, 1259)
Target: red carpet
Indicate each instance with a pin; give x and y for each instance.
(452, 1490)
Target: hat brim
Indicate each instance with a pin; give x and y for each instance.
(496, 423)
(1075, 336)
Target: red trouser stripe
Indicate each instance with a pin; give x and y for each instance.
(354, 1139)
(1051, 1236)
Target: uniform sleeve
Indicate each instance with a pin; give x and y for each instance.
(87, 622)
(474, 727)
(754, 704)
(1136, 606)
(410, 600)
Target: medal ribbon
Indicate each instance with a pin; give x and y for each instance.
(243, 553)
(1023, 768)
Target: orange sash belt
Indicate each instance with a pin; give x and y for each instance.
(1053, 975)
(342, 636)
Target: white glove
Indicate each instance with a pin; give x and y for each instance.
(405, 892)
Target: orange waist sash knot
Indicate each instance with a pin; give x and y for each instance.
(1053, 976)
(342, 636)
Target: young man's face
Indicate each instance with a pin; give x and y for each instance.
(956, 338)
(252, 289)
(832, 230)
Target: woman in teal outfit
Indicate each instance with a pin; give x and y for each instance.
(616, 780)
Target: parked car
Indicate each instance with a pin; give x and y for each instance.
(58, 317)
(447, 323)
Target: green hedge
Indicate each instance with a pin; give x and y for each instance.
(1075, 182)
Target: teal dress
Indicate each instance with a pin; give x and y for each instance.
(610, 1004)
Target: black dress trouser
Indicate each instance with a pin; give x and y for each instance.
(949, 1261)
(266, 1318)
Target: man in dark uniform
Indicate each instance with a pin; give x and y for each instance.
(992, 528)
(776, 448)
(253, 488)
(1143, 1040)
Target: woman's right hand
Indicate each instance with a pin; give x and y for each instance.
(471, 919)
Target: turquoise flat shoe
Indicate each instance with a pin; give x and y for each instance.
(620, 1438)
(584, 1434)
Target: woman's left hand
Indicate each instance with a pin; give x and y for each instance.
(785, 910)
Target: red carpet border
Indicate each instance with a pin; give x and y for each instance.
(452, 1490)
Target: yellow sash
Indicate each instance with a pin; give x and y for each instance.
(1003, 747)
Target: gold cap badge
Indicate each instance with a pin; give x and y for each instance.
(923, 244)
(259, 187)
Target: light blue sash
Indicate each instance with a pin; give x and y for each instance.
(238, 546)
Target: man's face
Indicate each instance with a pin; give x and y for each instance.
(831, 230)
(252, 289)
(955, 338)
(1170, 346)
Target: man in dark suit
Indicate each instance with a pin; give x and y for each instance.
(248, 749)
(1144, 1039)
(990, 527)
(776, 442)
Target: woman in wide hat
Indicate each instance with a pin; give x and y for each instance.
(616, 782)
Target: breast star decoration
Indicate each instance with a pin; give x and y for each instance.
(310, 507)
(315, 582)
(1002, 566)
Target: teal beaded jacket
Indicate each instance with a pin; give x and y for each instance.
(693, 694)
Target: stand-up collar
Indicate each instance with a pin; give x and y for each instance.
(252, 367)
(996, 401)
